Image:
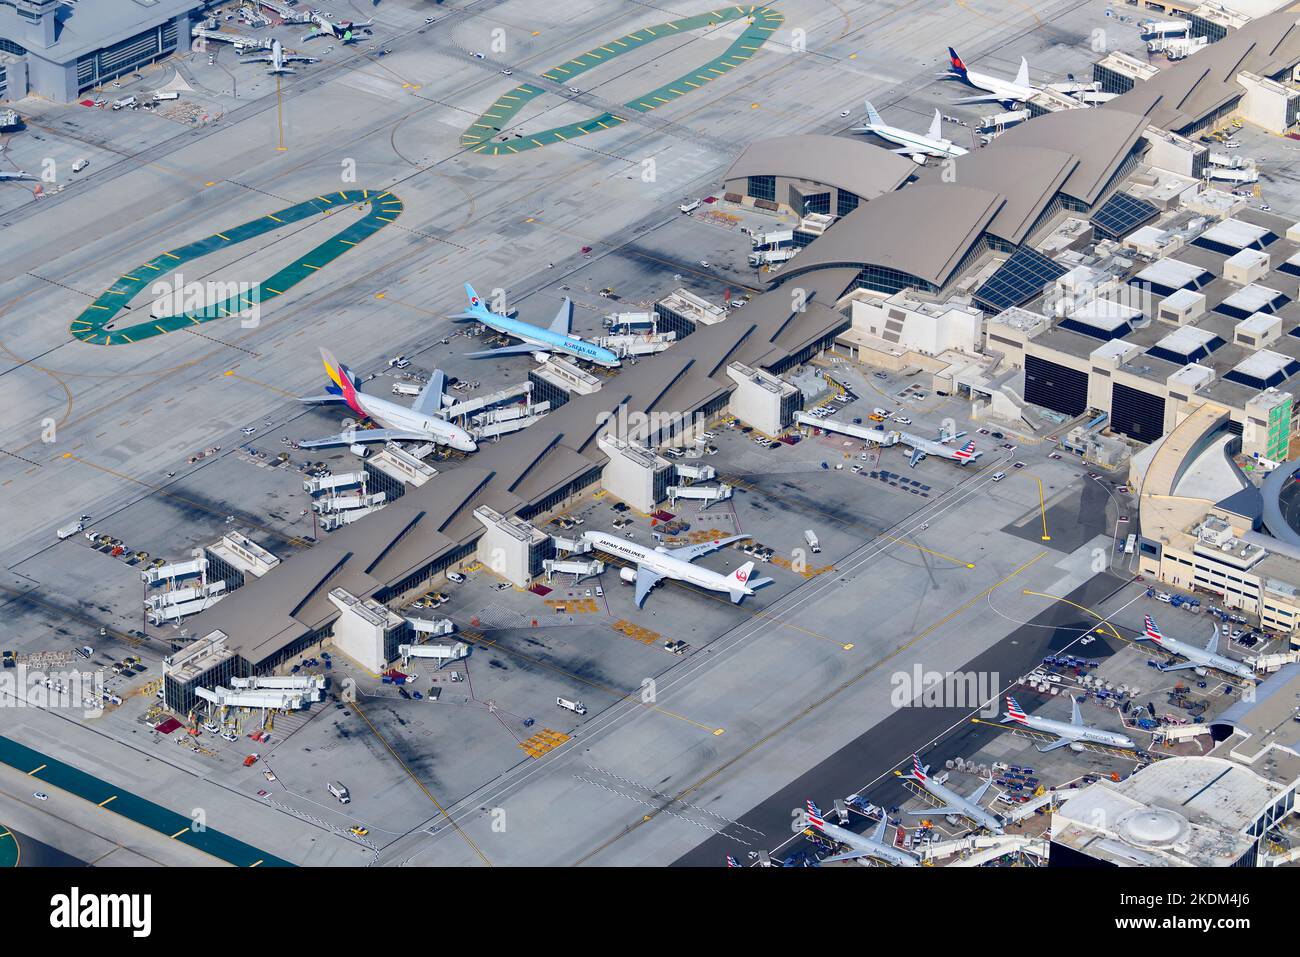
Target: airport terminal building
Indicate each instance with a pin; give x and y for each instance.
(59, 50)
(988, 236)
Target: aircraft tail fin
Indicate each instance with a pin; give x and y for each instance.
(738, 582)
(815, 818)
(872, 116)
(936, 126)
(1015, 712)
(958, 65)
(563, 320)
(1151, 632)
(1022, 75)
(920, 772)
(342, 379)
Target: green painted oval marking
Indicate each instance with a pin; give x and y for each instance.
(90, 326)
(764, 21)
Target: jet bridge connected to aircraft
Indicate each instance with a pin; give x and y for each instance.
(288, 694)
(878, 436)
(327, 483)
(240, 41)
(286, 13)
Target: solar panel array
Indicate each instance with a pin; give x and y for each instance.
(1121, 214)
(1022, 277)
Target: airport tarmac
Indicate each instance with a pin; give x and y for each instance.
(123, 421)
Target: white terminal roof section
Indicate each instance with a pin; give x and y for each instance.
(245, 555)
(686, 303)
(1252, 298)
(1258, 323)
(1235, 233)
(1262, 364)
(1105, 314)
(1192, 377)
(1248, 257)
(1182, 299)
(1173, 273)
(1185, 340)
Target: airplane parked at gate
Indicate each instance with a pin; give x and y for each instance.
(922, 448)
(954, 803)
(862, 846)
(915, 145)
(655, 564)
(1198, 658)
(995, 90)
(418, 423)
(537, 342)
(1069, 732)
(278, 58)
(343, 30)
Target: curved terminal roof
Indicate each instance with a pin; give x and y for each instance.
(863, 169)
(1028, 177)
(923, 230)
(1182, 95)
(1099, 140)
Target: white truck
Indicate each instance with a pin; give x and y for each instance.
(124, 102)
(577, 707)
(339, 791)
(406, 388)
(811, 538)
(72, 528)
(690, 207)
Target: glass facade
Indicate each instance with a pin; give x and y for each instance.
(817, 203)
(846, 202)
(763, 187)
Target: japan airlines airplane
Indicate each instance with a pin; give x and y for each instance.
(995, 90)
(419, 423)
(1070, 732)
(1198, 658)
(278, 58)
(655, 564)
(911, 144)
(344, 30)
(954, 803)
(921, 448)
(863, 846)
(537, 342)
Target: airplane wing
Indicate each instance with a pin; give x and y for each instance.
(980, 791)
(522, 349)
(1022, 75)
(365, 435)
(327, 397)
(318, 32)
(645, 580)
(917, 456)
(1212, 646)
(691, 552)
(429, 400)
(299, 58)
(1058, 743)
(929, 811)
(266, 58)
(846, 856)
(982, 98)
(564, 318)
(1076, 718)
(1183, 667)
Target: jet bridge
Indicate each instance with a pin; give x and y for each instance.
(696, 473)
(328, 483)
(580, 570)
(439, 654)
(432, 626)
(469, 406)
(878, 436)
(240, 41)
(332, 520)
(701, 493)
(152, 576)
(169, 613)
(631, 345)
(179, 596)
(279, 699)
(343, 503)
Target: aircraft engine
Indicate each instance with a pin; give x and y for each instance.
(627, 574)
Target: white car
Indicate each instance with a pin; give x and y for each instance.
(399, 362)
(456, 577)
(248, 430)
(40, 795)
(574, 90)
(507, 72)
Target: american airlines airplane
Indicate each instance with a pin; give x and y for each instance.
(995, 90)
(954, 803)
(653, 565)
(1069, 732)
(537, 342)
(278, 58)
(915, 145)
(419, 423)
(874, 846)
(939, 448)
(1197, 658)
(342, 30)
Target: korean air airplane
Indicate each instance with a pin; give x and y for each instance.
(536, 341)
